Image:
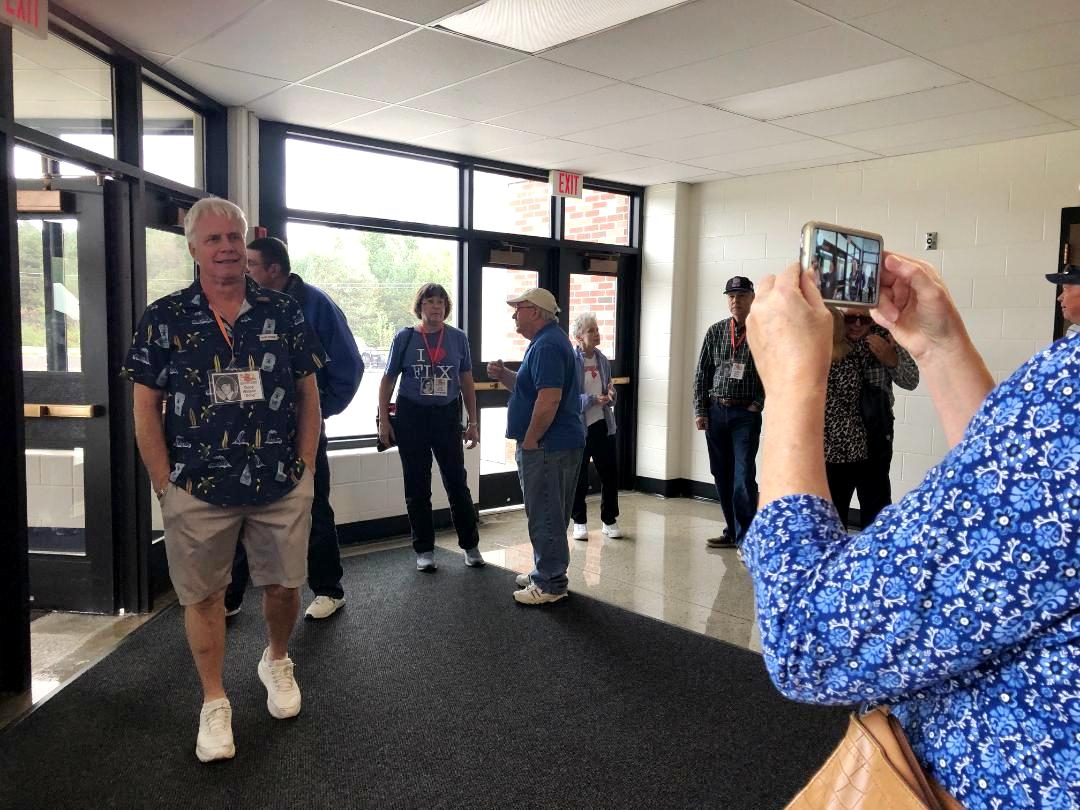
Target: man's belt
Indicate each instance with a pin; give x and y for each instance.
(732, 403)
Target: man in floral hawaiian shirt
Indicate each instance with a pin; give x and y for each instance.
(232, 454)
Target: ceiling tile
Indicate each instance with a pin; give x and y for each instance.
(851, 9)
(608, 105)
(710, 177)
(805, 150)
(607, 162)
(746, 136)
(1048, 46)
(92, 109)
(98, 82)
(683, 122)
(230, 87)
(52, 53)
(998, 119)
(922, 26)
(276, 40)
(399, 124)
(806, 56)
(310, 106)
(523, 84)
(853, 156)
(1067, 107)
(685, 34)
(45, 85)
(478, 139)
(417, 11)
(413, 65)
(547, 153)
(1035, 85)
(654, 175)
(969, 140)
(165, 27)
(925, 105)
(906, 75)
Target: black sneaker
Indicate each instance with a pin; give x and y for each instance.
(723, 541)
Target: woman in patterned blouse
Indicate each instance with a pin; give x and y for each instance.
(960, 606)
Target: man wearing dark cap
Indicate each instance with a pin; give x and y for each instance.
(728, 399)
(1069, 298)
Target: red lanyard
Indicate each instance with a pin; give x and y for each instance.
(438, 346)
(735, 346)
(224, 331)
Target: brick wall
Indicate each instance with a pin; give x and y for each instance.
(599, 216)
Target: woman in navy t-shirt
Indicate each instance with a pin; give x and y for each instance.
(435, 366)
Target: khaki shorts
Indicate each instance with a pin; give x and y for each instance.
(200, 540)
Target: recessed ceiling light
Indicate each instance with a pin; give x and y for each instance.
(536, 25)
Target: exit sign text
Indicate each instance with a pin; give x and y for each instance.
(565, 184)
(31, 16)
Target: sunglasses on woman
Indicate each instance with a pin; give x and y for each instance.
(851, 320)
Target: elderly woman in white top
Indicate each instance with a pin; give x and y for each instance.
(597, 398)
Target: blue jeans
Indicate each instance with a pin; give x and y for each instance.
(548, 479)
(732, 438)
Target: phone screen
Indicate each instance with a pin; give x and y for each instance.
(847, 265)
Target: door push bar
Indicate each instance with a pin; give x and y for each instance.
(34, 410)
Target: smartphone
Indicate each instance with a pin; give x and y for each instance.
(846, 263)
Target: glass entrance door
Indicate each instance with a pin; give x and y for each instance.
(603, 283)
(498, 340)
(63, 287)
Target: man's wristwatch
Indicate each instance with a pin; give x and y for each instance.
(161, 492)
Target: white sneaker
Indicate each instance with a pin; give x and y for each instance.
(523, 580)
(532, 595)
(215, 739)
(282, 693)
(426, 561)
(611, 529)
(581, 531)
(323, 607)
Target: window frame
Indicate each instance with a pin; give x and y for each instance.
(275, 215)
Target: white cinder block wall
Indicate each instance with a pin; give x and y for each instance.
(665, 275)
(366, 485)
(996, 209)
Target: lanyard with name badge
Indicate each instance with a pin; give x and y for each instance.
(737, 369)
(439, 386)
(236, 386)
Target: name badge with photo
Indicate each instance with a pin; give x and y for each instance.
(737, 371)
(233, 387)
(442, 388)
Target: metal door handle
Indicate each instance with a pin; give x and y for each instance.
(34, 410)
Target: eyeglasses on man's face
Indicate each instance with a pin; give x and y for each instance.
(851, 320)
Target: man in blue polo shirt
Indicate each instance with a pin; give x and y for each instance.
(231, 454)
(268, 264)
(544, 417)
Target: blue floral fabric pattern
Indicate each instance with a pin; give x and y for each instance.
(959, 606)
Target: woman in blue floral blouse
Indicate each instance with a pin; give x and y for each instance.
(959, 607)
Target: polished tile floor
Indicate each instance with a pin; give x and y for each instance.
(660, 568)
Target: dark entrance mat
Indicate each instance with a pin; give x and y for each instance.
(430, 691)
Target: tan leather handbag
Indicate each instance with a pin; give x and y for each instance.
(873, 768)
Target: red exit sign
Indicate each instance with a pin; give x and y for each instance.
(565, 184)
(31, 16)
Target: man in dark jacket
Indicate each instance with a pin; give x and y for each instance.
(268, 264)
